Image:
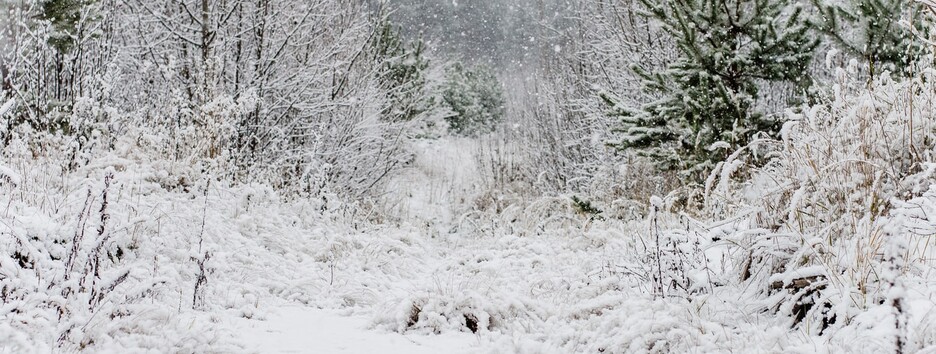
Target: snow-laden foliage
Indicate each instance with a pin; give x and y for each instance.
(113, 257)
(825, 230)
(404, 73)
(525, 274)
(280, 91)
(827, 242)
(883, 34)
(171, 170)
(704, 102)
(475, 98)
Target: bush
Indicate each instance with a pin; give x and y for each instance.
(822, 221)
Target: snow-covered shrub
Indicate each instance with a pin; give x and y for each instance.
(814, 225)
(73, 275)
(119, 255)
(645, 326)
(294, 101)
(461, 309)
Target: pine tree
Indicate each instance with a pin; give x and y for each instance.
(475, 98)
(403, 73)
(871, 30)
(706, 98)
(64, 16)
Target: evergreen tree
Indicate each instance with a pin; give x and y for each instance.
(403, 73)
(871, 30)
(708, 95)
(64, 16)
(475, 98)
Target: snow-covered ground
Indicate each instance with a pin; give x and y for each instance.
(816, 251)
(436, 188)
(318, 176)
(297, 329)
(282, 276)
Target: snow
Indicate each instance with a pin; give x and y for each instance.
(535, 277)
(431, 190)
(533, 238)
(7, 106)
(7, 174)
(295, 329)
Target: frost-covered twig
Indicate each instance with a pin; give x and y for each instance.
(8, 176)
(7, 107)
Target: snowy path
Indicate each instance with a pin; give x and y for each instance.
(426, 193)
(295, 329)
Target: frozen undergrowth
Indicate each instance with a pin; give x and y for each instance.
(579, 285)
(827, 248)
(819, 241)
(135, 282)
(152, 268)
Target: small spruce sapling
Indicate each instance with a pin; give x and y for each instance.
(706, 98)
